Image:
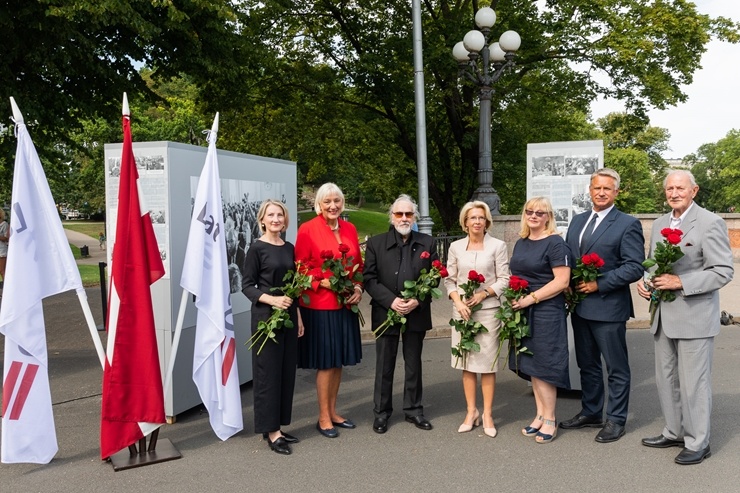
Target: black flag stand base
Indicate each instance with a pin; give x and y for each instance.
(157, 451)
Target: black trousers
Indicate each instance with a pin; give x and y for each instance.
(273, 384)
(608, 339)
(386, 350)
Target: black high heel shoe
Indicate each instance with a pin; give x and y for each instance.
(288, 438)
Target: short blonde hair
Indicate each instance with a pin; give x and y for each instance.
(324, 191)
(475, 204)
(263, 210)
(538, 203)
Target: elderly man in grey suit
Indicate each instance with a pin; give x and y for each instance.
(600, 320)
(684, 329)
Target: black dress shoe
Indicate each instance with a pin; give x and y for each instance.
(345, 424)
(280, 446)
(380, 425)
(581, 421)
(329, 432)
(288, 438)
(662, 442)
(420, 422)
(687, 457)
(611, 432)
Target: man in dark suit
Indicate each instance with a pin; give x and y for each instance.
(390, 259)
(684, 329)
(600, 320)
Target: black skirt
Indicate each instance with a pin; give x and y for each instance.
(331, 339)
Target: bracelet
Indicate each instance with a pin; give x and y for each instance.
(534, 297)
(359, 288)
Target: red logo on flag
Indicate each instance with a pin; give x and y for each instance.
(228, 361)
(9, 386)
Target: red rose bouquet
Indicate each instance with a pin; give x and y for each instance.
(666, 253)
(343, 276)
(587, 270)
(296, 282)
(514, 326)
(419, 289)
(468, 329)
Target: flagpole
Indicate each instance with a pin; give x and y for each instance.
(82, 296)
(175, 342)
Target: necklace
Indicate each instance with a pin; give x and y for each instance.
(335, 227)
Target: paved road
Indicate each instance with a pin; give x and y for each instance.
(404, 459)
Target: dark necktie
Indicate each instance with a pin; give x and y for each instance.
(587, 233)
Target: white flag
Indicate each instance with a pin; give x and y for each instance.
(40, 264)
(205, 274)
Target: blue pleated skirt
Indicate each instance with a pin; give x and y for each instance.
(331, 339)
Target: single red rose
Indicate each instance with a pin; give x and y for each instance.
(586, 259)
(673, 239)
(436, 264)
(481, 279)
(599, 262)
(425, 255)
(327, 254)
(678, 232)
(472, 276)
(443, 272)
(665, 232)
(343, 248)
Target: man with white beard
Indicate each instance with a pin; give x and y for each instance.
(391, 259)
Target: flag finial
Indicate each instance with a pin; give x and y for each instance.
(214, 127)
(126, 111)
(18, 116)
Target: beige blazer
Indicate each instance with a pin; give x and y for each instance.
(492, 262)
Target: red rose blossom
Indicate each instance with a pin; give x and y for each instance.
(437, 264)
(443, 272)
(425, 255)
(327, 254)
(343, 248)
(472, 276)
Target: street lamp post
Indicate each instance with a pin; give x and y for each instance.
(494, 60)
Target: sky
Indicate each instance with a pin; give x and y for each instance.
(713, 105)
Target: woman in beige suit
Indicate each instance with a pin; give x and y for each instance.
(488, 257)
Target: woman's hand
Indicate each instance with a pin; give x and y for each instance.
(356, 296)
(643, 289)
(462, 309)
(476, 299)
(523, 302)
(282, 302)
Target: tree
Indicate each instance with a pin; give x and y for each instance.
(362, 53)
(716, 167)
(66, 61)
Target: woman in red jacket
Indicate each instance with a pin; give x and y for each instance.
(332, 331)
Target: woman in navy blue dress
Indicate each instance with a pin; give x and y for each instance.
(541, 258)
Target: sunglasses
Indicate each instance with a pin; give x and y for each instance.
(402, 214)
(536, 213)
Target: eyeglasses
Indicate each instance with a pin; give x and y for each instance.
(536, 213)
(399, 215)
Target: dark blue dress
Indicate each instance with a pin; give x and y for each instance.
(548, 341)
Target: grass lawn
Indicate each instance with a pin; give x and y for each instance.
(90, 274)
(90, 228)
(368, 223)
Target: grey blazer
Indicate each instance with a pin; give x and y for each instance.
(705, 267)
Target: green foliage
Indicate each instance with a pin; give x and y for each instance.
(716, 168)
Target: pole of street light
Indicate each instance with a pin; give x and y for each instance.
(494, 61)
(425, 222)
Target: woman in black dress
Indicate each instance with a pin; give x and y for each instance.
(541, 258)
(274, 368)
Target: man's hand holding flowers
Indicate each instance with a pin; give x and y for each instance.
(663, 281)
(413, 293)
(584, 276)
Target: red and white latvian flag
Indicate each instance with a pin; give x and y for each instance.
(40, 264)
(205, 274)
(133, 398)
